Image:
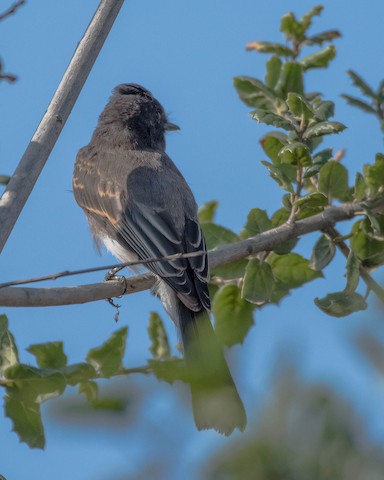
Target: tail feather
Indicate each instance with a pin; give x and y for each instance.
(215, 399)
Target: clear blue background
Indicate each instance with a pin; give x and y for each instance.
(186, 53)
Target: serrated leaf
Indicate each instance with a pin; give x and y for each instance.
(270, 118)
(319, 59)
(323, 37)
(257, 222)
(233, 315)
(273, 67)
(26, 419)
(107, 359)
(295, 153)
(279, 175)
(169, 370)
(78, 372)
(207, 211)
(30, 384)
(313, 200)
(291, 79)
(341, 304)
(258, 282)
(158, 336)
(8, 350)
(90, 389)
(368, 249)
(323, 128)
(49, 355)
(352, 272)
(323, 253)
(356, 102)
(216, 235)
(333, 180)
(299, 106)
(270, 47)
(292, 270)
(249, 89)
(362, 85)
(272, 143)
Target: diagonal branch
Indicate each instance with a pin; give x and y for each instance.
(40, 297)
(22, 182)
(12, 9)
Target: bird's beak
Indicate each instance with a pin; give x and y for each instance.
(171, 127)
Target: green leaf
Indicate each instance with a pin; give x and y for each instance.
(216, 235)
(169, 370)
(207, 211)
(250, 89)
(270, 118)
(323, 253)
(159, 339)
(360, 187)
(269, 47)
(299, 106)
(352, 272)
(273, 67)
(323, 37)
(341, 304)
(291, 79)
(32, 384)
(296, 153)
(292, 270)
(230, 271)
(291, 27)
(319, 59)
(78, 372)
(313, 200)
(272, 143)
(49, 355)
(26, 419)
(90, 389)
(233, 315)
(322, 157)
(324, 109)
(278, 173)
(356, 102)
(374, 176)
(257, 222)
(258, 282)
(368, 249)
(8, 350)
(107, 359)
(278, 218)
(306, 20)
(362, 85)
(333, 180)
(323, 128)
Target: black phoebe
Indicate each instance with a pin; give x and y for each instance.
(140, 206)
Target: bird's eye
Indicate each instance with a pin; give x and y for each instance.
(133, 89)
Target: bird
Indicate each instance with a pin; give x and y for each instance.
(139, 206)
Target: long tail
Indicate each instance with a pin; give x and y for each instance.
(215, 400)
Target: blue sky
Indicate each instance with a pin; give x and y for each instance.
(187, 55)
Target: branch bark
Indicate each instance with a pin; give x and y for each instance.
(23, 180)
(42, 297)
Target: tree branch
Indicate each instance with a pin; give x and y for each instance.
(40, 297)
(22, 182)
(12, 9)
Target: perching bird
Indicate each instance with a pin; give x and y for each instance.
(140, 206)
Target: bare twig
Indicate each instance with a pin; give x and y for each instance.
(47, 133)
(9, 77)
(12, 9)
(28, 297)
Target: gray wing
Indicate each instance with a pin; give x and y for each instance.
(148, 210)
